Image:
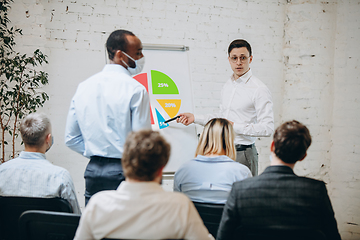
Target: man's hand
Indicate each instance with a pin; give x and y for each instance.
(186, 118)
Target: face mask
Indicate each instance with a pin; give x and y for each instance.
(270, 157)
(139, 65)
(52, 143)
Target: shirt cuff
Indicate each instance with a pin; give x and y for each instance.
(199, 119)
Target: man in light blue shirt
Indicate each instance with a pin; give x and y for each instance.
(30, 174)
(105, 109)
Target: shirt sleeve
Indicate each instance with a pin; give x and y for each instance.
(230, 219)
(177, 182)
(68, 193)
(140, 110)
(329, 228)
(83, 231)
(264, 126)
(73, 137)
(242, 172)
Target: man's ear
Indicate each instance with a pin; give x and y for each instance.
(303, 157)
(272, 146)
(118, 54)
(160, 171)
(250, 59)
(118, 58)
(159, 176)
(48, 139)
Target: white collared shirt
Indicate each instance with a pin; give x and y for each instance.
(140, 210)
(247, 102)
(31, 175)
(104, 110)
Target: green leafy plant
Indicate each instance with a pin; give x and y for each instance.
(20, 82)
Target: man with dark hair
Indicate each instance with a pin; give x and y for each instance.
(105, 109)
(30, 174)
(246, 102)
(277, 197)
(140, 208)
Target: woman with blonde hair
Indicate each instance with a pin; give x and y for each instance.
(208, 178)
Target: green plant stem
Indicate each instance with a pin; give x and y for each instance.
(16, 114)
(2, 140)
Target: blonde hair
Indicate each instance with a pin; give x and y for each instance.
(217, 137)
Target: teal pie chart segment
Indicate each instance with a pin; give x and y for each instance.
(161, 120)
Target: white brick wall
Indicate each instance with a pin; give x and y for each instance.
(305, 51)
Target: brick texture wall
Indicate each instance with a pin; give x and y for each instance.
(306, 52)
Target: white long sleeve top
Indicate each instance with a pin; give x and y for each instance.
(247, 102)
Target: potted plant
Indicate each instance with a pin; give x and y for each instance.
(20, 82)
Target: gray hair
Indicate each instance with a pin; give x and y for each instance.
(34, 129)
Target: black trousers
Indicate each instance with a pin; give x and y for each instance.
(101, 174)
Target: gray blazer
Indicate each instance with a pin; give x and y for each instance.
(278, 197)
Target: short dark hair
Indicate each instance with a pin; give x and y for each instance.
(34, 129)
(145, 152)
(117, 41)
(291, 140)
(239, 43)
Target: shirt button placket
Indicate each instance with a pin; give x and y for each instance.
(227, 112)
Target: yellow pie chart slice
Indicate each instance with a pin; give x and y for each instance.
(171, 106)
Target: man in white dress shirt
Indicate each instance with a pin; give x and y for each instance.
(105, 109)
(246, 102)
(140, 208)
(30, 174)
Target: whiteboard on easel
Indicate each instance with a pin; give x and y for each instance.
(166, 77)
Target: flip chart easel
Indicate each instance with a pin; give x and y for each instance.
(166, 76)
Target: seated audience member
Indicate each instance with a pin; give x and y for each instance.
(140, 208)
(278, 197)
(30, 174)
(208, 178)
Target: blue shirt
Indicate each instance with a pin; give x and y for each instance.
(104, 110)
(209, 179)
(31, 175)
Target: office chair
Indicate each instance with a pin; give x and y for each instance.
(134, 239)
(48, 225)
(279, 233)
(211, 215)
(12, 207)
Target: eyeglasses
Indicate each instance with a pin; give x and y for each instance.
(242, 59)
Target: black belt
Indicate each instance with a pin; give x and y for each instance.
(105, 159)
(240, 147)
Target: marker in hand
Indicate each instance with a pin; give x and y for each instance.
(172, 119)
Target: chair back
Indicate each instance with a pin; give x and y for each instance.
(211, 214)
(280, 233)
(132, 239)
(48, 225)
(12, 207)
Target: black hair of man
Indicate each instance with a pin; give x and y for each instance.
(291, 140)
(239, 43)
(117, 41)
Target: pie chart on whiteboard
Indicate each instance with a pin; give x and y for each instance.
(164, 98)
